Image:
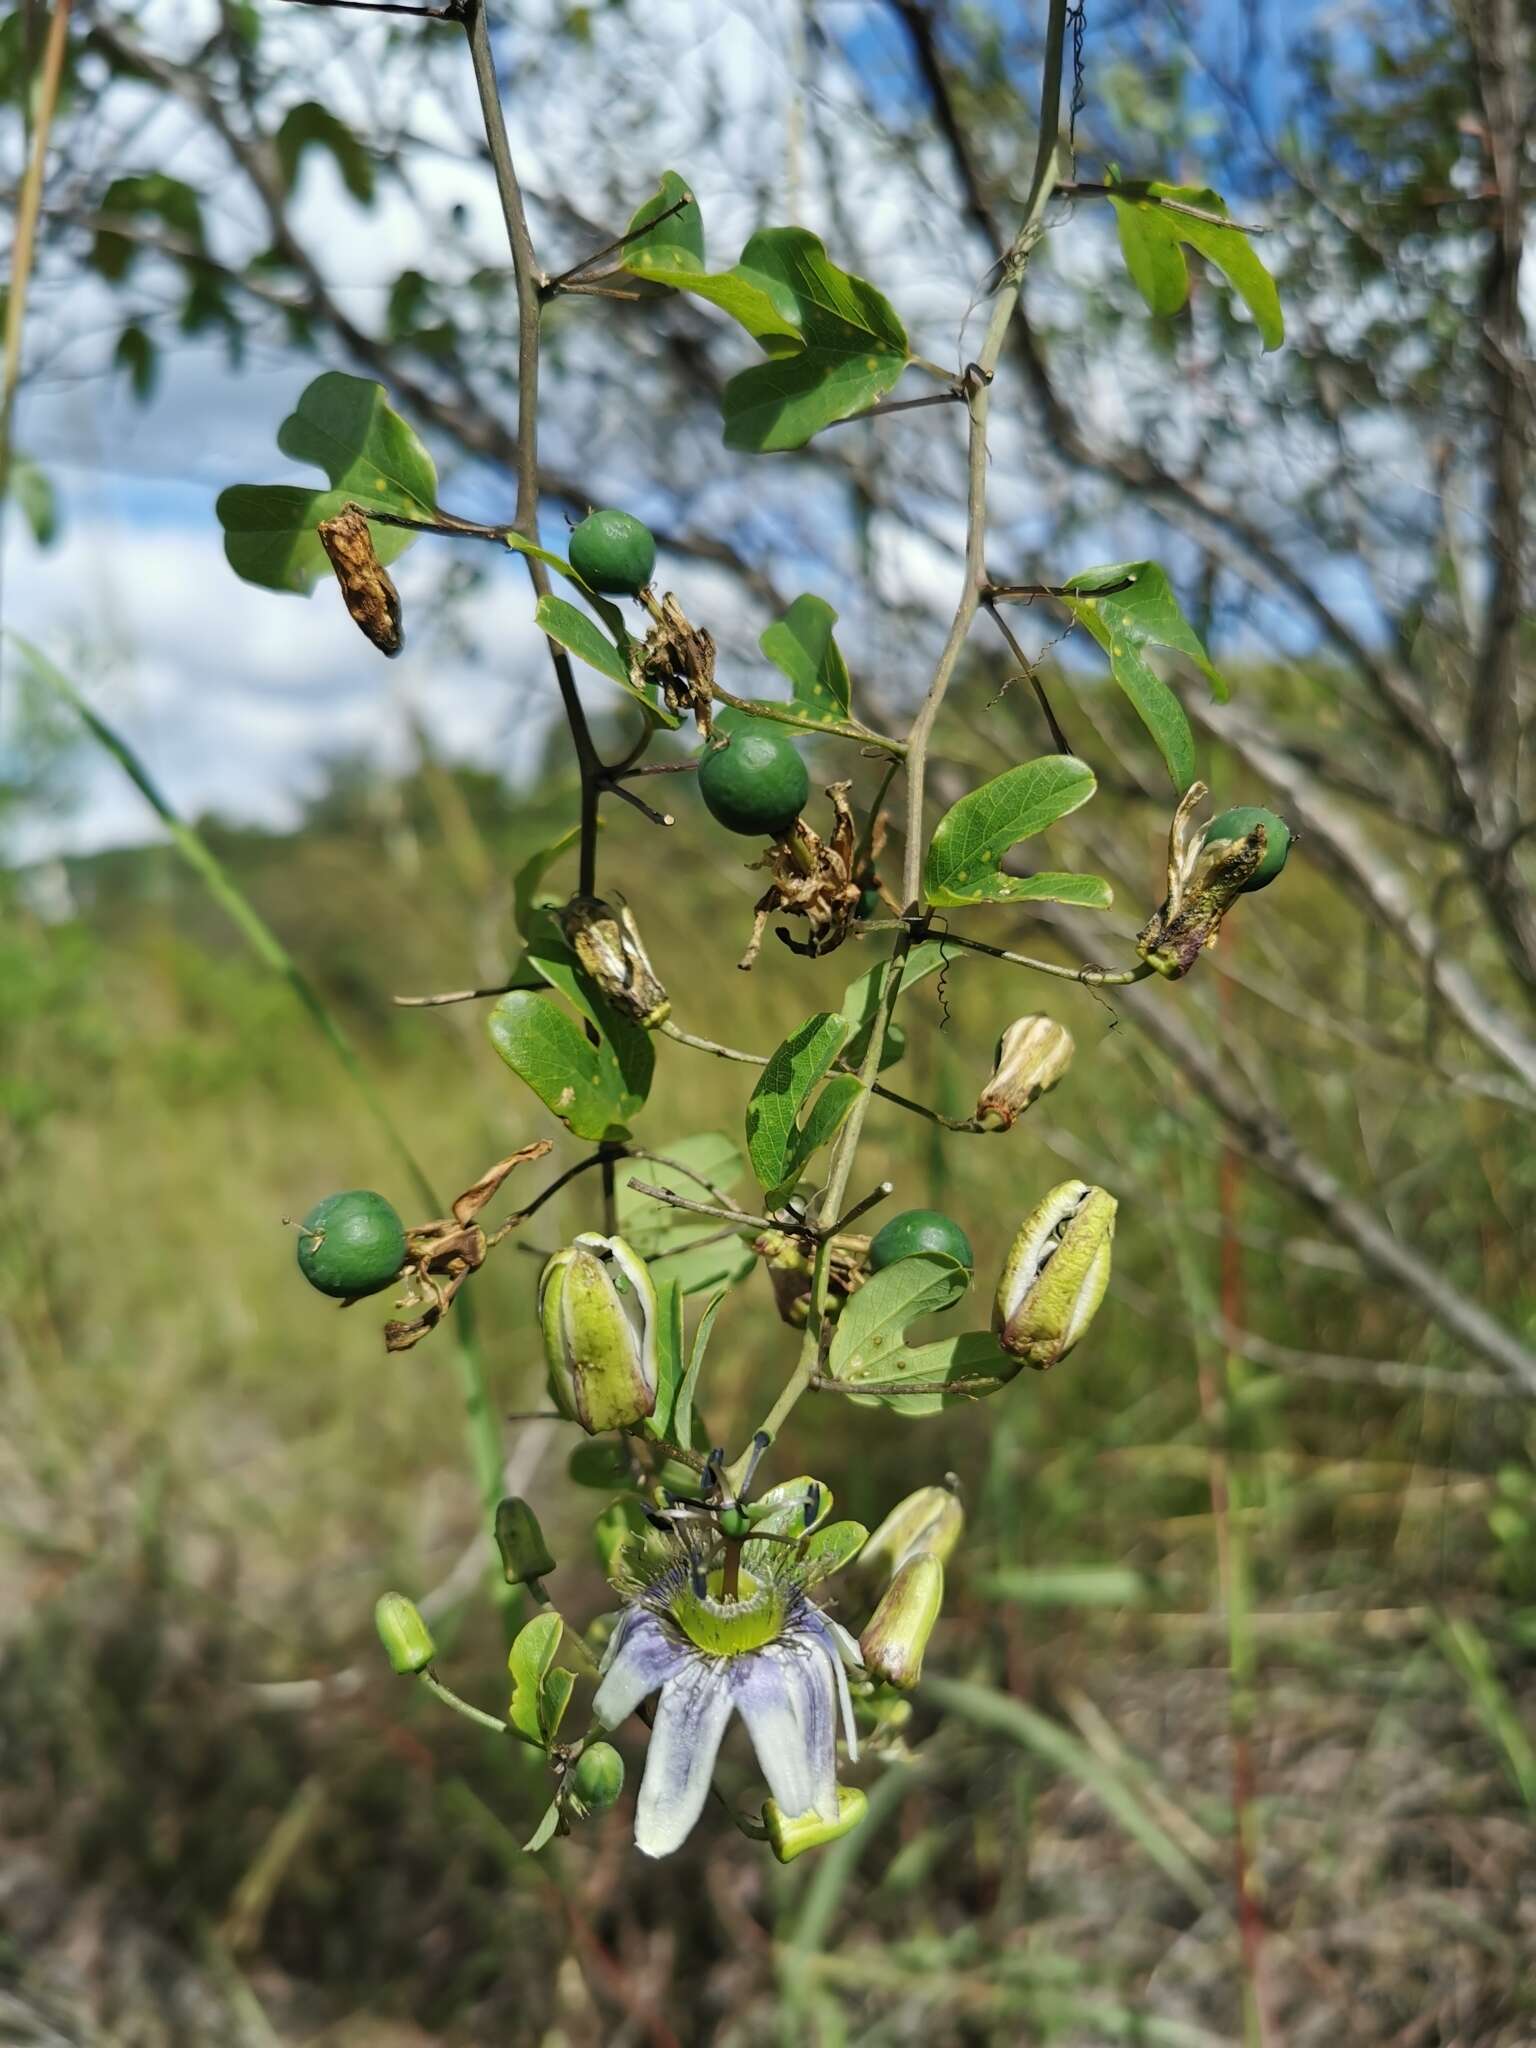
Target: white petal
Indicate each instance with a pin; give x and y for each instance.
(691, 1719)
(784, 1694)
(640, 1658)
(840, 1648)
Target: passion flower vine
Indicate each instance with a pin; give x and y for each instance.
(722, 1609)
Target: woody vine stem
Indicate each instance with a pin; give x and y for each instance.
(596, 776)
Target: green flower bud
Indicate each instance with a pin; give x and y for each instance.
(607, 942)
(598, 1309)
(1207, 872)
(893, 1643)
(931, 1520)
(596, 1780)
(524, 1553)
(1032, 1055)
(1056, 1274)
(404, 1634)
(790, 1836)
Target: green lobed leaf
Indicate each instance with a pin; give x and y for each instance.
(600, 1464)
(659, 1424)
(823, 1121)
(675, 244)
(873, 1322)
(774, 1135)
(343, 425)
(606, 610)
(975, 1355)
(546, 1830)
(861, 998)
(525, 883)
(627, 1051)
(662, 1236)
(139, 360)
(684, 1414)
(965, 855)
(854, 346)
(577, 1081)
(780, 1510)
(554, 1698)
(575, 631)
(831, 1548)
(529, 1661)
(164, 198)
(1127, 621)
(673, 254)
(1150, 238)
(34, 496)
(312, 126)
(801, 644)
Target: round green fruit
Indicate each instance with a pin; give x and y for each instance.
(597, 1779)
(919, 1230)
(1238, 823)
(613, 551)
(756, 784)
(351, 1244)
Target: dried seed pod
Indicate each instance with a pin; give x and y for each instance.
(1056, 1274)
(370, 597)
(607, 942)
(1031, 1057)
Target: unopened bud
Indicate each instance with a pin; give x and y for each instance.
(931, 1519)
(1031, 1057)
(597, 1305)
(524, 1553)
(1056, 1274)
(893, 1643)
(607, 942)
(406, 1638)
(1207, 872)
(790, 1836)
(596, 1780)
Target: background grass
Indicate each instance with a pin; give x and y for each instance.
(209, 1474)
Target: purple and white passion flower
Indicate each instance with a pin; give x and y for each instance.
(769, 1654)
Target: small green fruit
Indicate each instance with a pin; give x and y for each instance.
(614, 552)
(597, 1778)
(757, 784)
(1237, 824)
(919, 1230)
(351, 1244)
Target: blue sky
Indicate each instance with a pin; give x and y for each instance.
(235, 695)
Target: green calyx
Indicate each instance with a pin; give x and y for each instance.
(920, 1230)
(613, 552)
(756, 784)
(1237, 824)
(727, 1628)
(351, 1244)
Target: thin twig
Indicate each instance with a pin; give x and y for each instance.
(887, 405)
(674, 1200)
(860, 1208)
(23, 247)
(1030, 673)
(452, 995)
(560, 282)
